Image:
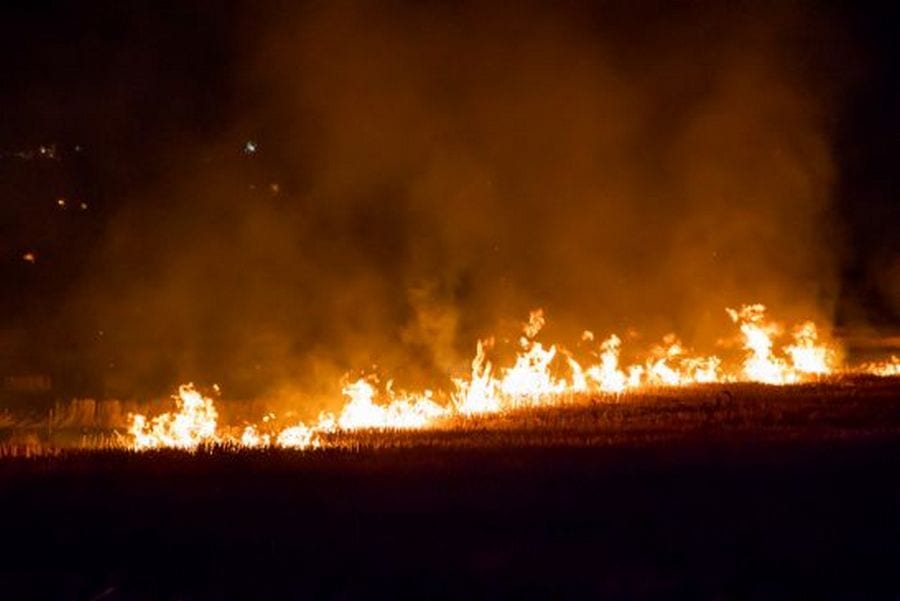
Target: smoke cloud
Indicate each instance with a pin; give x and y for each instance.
(427, 173)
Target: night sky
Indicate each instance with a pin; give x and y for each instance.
(235, 192)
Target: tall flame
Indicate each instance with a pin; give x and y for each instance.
(807, 355)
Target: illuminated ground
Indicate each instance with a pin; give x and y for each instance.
(719, 492)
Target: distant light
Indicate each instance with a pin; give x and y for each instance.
(250, 147)
(61, 203)
(48, 152)
(275, 188)
(29, 257)
(83, 206)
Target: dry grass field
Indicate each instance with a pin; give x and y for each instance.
(741, 492)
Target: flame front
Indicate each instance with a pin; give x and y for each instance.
(539, 376)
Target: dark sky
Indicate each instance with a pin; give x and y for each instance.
(195, 259)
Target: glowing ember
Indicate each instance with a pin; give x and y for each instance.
(539, 376)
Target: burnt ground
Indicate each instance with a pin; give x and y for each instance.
(743, 493)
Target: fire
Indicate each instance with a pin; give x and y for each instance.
(760, 365)
(361, 412)
(807, 355)
(539, 375)
(298, 437)
(883, 368)
(194, 423)
(529, 381)
(478, 394)
(606, 374)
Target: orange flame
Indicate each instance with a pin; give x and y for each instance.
(533, 379)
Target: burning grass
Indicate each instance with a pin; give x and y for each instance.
(837, 407)
(541, 381)
(534, 380)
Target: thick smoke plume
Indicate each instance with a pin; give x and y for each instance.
(427, 173)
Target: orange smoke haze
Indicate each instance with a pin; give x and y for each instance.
(423, 175)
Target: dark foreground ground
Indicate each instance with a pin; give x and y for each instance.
(749, 494)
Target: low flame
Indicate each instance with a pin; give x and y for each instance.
(405, 412)
(532, 380)
(883, 368)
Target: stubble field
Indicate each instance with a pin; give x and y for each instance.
(719, 492)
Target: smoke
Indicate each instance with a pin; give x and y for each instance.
(427, 173)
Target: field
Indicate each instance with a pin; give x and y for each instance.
(741, 492)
